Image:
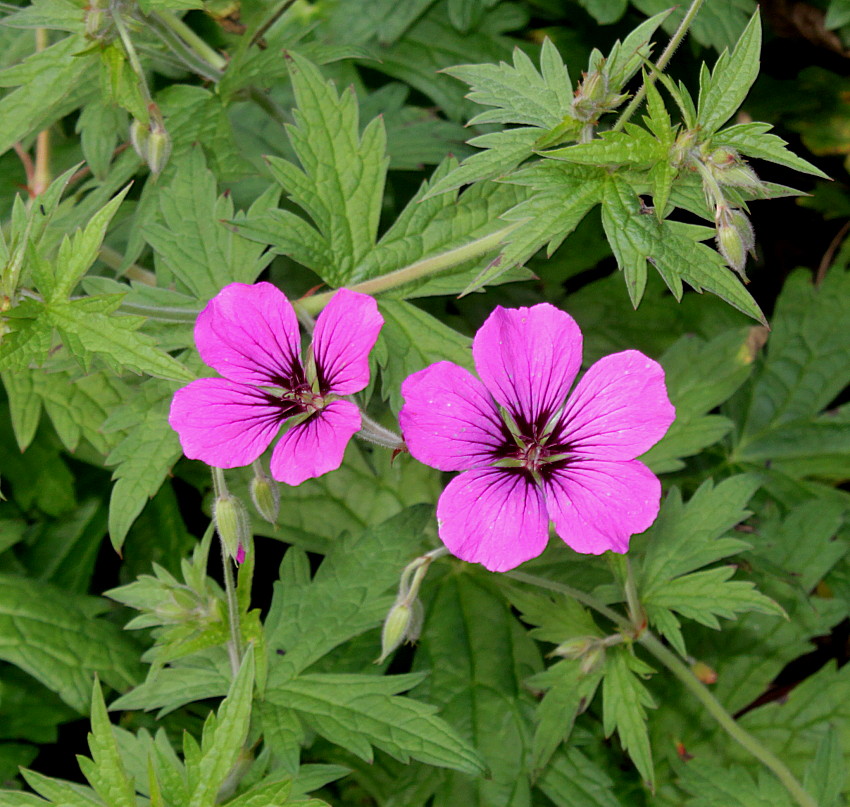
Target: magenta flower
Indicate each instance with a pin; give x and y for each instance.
(528, 454)
(250, 335)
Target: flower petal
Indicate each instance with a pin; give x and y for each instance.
(250, 334)
(449, 420)
(599, 505)
(493, 516)
(345, 333)
(317, 445)
(619, 409)
(223, 423)
(528, 359)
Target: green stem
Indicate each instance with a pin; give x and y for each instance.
(726, 721)
(415, 271)
(234, 646)
(132, 56)
(662, 62)
(192, 40)
(672, 662)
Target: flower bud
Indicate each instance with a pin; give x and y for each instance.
(403, 624)
(735, 237)
(139, 135)
(265, 494)
(152, 143)
(593, 659)
(98, 19)
(231, 521)
(575, 648)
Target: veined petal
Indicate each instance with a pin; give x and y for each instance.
(528, 359)
(317, 445)
(494, 517)
(250, 334)
(449, 420)
(223, 423)
(598, 505)
(619, 409)
(345, 333)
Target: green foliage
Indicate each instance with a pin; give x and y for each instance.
(295, 141)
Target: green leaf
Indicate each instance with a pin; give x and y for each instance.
(570, 691)
(58, 791)
(625, 699)
(191, 240)
(49, 634)
(519, 93)
(699, 375)
(105, 770)
(502, 152)
(686, 537)
(477, 676)
(806, 367)
(752, 139)
(52, 83)
(358, 710)
(366, 490)
(429, 228)
(79, 252)
(87, 331)
(826, 774)
(725, 90)
(142, 459)
(100, 127)
(412, 339)
(194, 679)
(634, 147)
(563, 195)
(224, 737)
(348, 595)
(573, 780)
(340, 183)
(795, 727)
(671, 247)
(433, 43)
(716, 786)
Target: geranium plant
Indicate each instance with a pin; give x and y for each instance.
(434, 321)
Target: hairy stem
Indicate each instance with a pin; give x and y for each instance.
(41, 170)
(415, 271)
(132, 55)
(234, 645)
(676, 666)
(672, 662)
(662, 62)
(207, 54)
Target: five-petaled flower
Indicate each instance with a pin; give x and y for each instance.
(529, 454)
(250, 335)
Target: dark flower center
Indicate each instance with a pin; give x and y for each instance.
(533, 449)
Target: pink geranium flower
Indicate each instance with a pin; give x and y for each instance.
(530, 455)
(250, 335)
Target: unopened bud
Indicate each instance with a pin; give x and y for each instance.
(159, 148)
(403, 624)
(735, 237)
(98, 19)
(265, 494)
(593, 659)
(231, 521)
(575, 648)
(152, 143)
(139, 135)
(729, 169)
